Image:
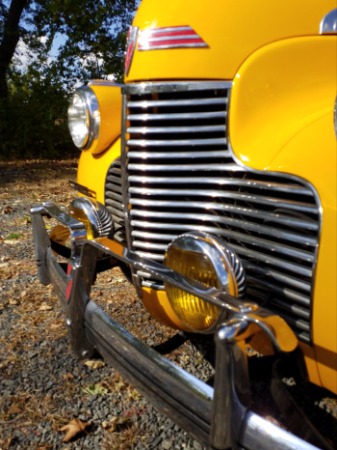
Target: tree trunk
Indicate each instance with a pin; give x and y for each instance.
(10, 38)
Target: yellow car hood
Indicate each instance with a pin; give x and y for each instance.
(231, 30)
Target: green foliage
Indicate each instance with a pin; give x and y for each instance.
(14, 236)
(33, 122)
(33, 118)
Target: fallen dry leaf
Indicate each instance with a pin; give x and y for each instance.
(95, 389)
(45, 307)
(15, 409)
(8, 209)
(13, 302)
(73, 428)
(94, 364)
(111, 424)
(68, 376)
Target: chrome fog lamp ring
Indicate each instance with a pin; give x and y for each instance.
(210, 261)
(96, 218)
(84, 118)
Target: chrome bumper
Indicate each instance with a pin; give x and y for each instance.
(219, 417)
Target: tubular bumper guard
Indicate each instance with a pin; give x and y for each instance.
(220, 416)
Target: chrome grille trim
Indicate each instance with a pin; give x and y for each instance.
(114, 199)
(242, 225)
(180, 175)
(179, 116)
(174, 143)
(175, 103)
(300, 224)
(175, 130)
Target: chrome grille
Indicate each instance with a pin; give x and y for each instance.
(114, 199)
(181, 176)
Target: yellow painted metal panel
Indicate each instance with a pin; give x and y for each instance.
(233, 30)
(92, 169)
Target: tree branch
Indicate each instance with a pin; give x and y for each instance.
(11, 35)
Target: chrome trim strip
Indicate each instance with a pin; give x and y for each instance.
(261, 229)
(174, 130)
(168, 46)
(217, 181)
(175, 143)
(179, 116)
(167, 103)
(279, 276)
(243, 252)
(151, 41)
(261, 200)
(169, 155)
(103, 83)
(168, 86)
(161, 30)
(209, 206)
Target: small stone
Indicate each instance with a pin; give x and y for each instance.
(166, 444)
(197, 445)
(156, 442)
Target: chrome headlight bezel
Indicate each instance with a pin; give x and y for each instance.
(225, 270)
(84, 118)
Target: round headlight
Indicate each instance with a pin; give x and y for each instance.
(84, 118)
(209, 261)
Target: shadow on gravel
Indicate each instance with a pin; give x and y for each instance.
(36, 171)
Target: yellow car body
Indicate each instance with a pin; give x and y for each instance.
(193, 202)
(280, 119)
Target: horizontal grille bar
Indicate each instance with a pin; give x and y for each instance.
(177, 116)
(298, 269)
(175, 143)
(181, 176)
(176, 130)
(252, 184)
(234, 223)
(174, 103)
(174, 154)
(262, 200)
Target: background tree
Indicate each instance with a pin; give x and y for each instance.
(36, 78)
(9, 21)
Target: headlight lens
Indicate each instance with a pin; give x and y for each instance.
(84, 118)
(205, 259)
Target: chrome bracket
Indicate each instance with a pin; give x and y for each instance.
(231, 386)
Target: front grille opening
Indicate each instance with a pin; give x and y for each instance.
(181, 176)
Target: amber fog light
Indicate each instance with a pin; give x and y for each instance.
(206, 259)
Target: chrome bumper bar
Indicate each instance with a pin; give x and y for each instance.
(219, 417)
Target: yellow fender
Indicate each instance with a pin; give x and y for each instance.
(281, 119)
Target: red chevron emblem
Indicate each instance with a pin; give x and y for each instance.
(169, 37)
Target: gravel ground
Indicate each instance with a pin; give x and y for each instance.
(47, 393)
(43, 387)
